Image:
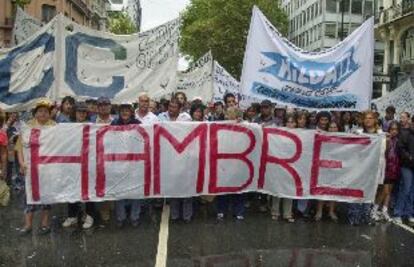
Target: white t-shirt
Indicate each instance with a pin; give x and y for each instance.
(149, 118)
(184, 116)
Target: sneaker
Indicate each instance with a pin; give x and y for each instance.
(375, 217)
(88, 222)
(386, 216)
(70, 221)
(220, 216)
(240, 217)
(398, 220)
(290, 220)
(411, 220)
(43, 230)
(25, 231)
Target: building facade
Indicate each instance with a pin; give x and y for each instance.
(132, 7)
(91, 13)
(319, 24)
(395, 27)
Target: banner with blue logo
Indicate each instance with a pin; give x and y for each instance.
(64, 58)
(339, 78)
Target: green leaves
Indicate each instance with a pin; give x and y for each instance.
(22, 3)
(121, 23)
(222, 27)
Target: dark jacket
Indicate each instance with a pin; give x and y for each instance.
(406, 147)
(119, 121)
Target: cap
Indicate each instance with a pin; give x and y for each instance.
(266, 103)
(43, 103)
(81, 107)
(103, 100)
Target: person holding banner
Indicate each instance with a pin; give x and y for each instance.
(66, 110)
(104, 117)
(143, 114)
(237, 200)
(174, 114)
(74, 209)
(361, 213)
(41, 113)
(126, 117)
(332, 127)
(286, 202)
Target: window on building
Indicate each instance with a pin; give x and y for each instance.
(48, 12)
(316, 9)
(344, 5)
(356, 7)
(368, 9)
(330, 30)
(331, 6)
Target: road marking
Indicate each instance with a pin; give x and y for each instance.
(406, 227)
(161, 260)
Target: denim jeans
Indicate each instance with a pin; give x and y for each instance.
(405, 198)
(237, 202)
(120, 209)
(187, 206)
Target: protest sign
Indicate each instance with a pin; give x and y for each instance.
(339, 78)
(184, 159)
(401, 98)
(65, 58)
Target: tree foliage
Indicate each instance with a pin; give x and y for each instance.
(121, 23)
(22, 3)
(222, 27)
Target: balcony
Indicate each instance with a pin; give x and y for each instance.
(396, 12)
(82, 7)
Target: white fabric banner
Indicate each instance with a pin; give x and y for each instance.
(197, 80)
(184, 159)
(401, 98)
(65, 58)
(339, 78)
(25, 26)
(224, 83)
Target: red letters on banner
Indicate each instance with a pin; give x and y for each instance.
(318, 163)
(285, 163)
(101, 156)
(37, 159)
(215, 156)
(200, 131)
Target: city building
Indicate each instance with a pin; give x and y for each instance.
(132, 7)
(395, 27)
(319, 24)
(91, 13)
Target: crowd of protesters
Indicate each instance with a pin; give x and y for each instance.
(394, 200)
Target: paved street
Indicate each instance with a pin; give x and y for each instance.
(257, 241)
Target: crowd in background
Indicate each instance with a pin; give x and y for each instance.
(394, 200)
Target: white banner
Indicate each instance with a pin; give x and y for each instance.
(339, 78)
(25, 26)
(224, 83)
(401, 98)
(197, 80)
(82, 162)
(65, 58)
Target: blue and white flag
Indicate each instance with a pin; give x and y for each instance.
(339, 78)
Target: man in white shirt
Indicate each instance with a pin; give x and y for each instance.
(173, 113)
(142, 113)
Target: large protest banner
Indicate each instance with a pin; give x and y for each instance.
(339, 78)
(178, 159)
(401, 98)
(64, 58)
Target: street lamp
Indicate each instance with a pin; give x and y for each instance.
(342, 19)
